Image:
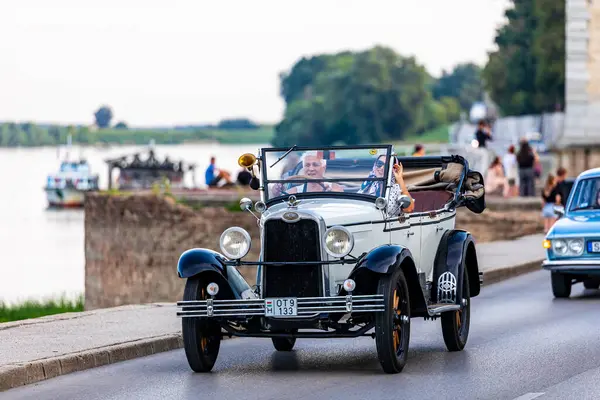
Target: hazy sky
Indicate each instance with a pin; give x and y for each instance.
(178, 61)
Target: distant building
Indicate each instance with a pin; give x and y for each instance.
(578, 147)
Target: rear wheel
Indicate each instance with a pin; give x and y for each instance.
(455, 324)
(201, 336)
(392, 327)
(591, 283)
(561, 285)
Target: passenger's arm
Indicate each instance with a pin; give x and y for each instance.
(400, 181)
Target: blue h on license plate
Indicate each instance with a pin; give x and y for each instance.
(281, 307)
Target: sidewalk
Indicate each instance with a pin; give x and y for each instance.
(42, 348)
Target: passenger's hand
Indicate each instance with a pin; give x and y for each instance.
(398, 169)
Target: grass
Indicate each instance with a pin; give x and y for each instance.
(35, 309)
(264, 134)
(435, 135)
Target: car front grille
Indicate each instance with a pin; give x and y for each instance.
(298, 241)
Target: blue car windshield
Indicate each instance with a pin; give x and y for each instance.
(586, 196)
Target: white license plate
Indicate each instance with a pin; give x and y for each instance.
(595, 247)
(281, 307)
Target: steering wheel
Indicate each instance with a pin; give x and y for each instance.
(291, 177)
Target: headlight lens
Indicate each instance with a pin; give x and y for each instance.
(568, 247)
(235, 243)
(560, 247)
(576, 246)
(338, 241)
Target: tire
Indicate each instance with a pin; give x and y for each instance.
(561, 285)
(201, 336)
(455, 324)
(283, 344)
(591, 283)
(392, 327)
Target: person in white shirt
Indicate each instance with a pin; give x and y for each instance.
(511, 171)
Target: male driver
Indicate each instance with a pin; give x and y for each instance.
(314, 168)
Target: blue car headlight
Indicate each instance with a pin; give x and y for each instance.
(568, 247)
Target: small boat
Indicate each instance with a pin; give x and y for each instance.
(68, 186)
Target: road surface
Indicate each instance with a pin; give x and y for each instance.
(523, 344)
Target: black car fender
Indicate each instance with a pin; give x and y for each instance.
(455, 252)
(384, 260)
(200, 262)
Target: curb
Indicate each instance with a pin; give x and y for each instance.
(12, 376)
(501, 274)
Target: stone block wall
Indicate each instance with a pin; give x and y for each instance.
(132, 244)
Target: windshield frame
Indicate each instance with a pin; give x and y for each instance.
(574, 192)
(386, 179)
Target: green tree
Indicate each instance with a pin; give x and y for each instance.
(526, 74)
(462, 83)
(368, 96)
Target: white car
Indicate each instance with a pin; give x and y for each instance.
(340, 257)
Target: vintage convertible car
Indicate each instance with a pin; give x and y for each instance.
(573, 243)
(339, 255)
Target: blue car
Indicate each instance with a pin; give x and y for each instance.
(573, 243)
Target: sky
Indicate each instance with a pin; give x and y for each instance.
(199, 61)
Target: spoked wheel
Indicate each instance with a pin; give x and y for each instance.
(201, 336)
(392, 327)
(455, 324)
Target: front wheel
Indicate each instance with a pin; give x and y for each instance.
(201, 336)
(561, 285)
(455, 324)
(392, 326)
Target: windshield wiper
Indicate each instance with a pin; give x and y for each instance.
(283, 156)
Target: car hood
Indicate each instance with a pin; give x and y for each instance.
(579, 224)
(334, 211)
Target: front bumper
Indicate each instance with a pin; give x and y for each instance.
(306, 307)
(583, 266)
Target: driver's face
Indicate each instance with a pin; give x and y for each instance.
(313, 167)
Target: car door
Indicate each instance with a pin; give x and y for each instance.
(405, 230)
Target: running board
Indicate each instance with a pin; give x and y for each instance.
(437, 309)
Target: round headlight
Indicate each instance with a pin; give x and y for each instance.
(560, 247)
(338, 241)
(235, 243)
(576, 246)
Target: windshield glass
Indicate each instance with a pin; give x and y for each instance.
(586, 195)
(356, 170)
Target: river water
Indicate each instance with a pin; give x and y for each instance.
(42, 250)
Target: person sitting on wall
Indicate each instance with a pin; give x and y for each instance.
(212, 180)
(244, 177)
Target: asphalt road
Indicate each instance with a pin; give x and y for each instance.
(523, 344)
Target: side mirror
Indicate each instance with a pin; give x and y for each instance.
(559, 211)
(404, 201)
(246, 204)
